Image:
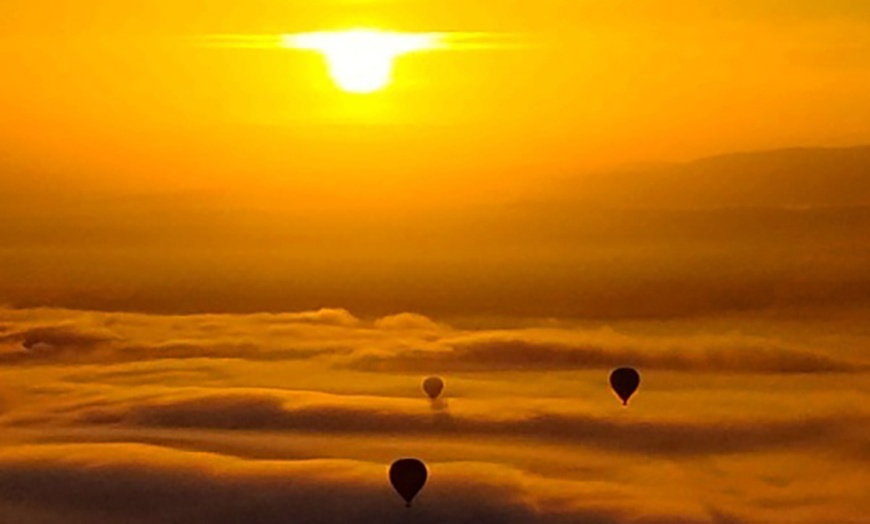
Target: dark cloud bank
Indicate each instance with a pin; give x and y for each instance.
(521, 353)
(138, 484)
(347, 344)
(641, 436)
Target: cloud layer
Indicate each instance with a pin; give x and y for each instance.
(404, 343)
(301, 413)
(143, 418)
(145, 484)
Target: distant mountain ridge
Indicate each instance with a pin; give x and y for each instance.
(798, 177)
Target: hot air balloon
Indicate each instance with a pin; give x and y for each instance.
(408, 476)
(433, 387)
(624, 382)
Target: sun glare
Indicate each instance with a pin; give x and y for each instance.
(361, 61)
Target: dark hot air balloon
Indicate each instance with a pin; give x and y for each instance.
(433, 387)
(624, 382)
(408, 476)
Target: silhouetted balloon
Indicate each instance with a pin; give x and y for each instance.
(624, 382)
(433, 387)
(408, 476)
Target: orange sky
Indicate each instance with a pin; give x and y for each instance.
(112, 88)
(222, 279)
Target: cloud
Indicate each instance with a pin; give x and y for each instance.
(310, 413)
(407, 321)
(44, 336)
(262, 412)
(402, 343)
(532, 351)
(134, 483)
(329, 316)
(540, 440)
(50, 342)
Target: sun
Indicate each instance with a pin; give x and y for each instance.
(361, 60)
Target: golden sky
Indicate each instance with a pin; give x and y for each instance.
(223, 278)
(565, 86)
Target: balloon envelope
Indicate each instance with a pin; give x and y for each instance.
(433, 387)
(408, 476)
(624, 382)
